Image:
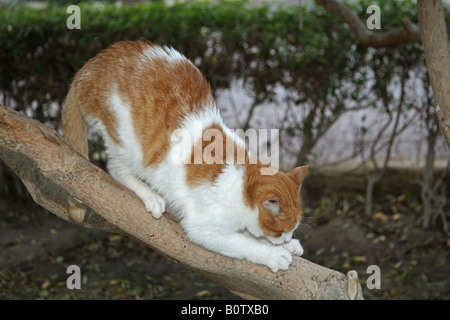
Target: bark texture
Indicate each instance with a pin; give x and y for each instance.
(51, 171)
(436, 47)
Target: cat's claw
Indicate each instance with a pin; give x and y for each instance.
(279, 258)
(156, 205)
(294, 247)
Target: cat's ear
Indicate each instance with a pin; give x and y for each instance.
(272, 206)
(298, 174)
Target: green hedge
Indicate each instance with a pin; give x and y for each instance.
(228, 41)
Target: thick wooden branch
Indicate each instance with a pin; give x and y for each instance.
(408, 33)
(51, 170)
(436, 47)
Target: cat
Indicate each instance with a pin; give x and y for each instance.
(144, 99)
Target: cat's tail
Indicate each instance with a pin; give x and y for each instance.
(73, 124)
(75, 133)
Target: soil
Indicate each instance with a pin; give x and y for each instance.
(37, 247)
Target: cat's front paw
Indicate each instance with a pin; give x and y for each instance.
(156, 205)
(294, 247)
(278, 258)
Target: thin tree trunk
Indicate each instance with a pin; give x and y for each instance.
(436, 47)
(369, 195)
(427, 182)
(379, 172)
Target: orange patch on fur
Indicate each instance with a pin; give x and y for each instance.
(159, 89)
(169, 91)
(210, 155)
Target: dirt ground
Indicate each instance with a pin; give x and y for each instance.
(37, 247)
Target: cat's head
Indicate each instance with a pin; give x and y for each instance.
(277, 199)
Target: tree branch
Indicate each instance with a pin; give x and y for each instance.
(432, 32)
(51, 170)
(408, 33)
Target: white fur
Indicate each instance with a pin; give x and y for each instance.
(125, 160)
(152, 52)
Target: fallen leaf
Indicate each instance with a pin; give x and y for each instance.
(360, 258)
(53, 232)
(45, 285)
(203, 293)
(380, 216)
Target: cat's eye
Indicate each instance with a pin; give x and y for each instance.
(272, 206)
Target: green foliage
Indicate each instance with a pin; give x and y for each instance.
(321, 67)
(228, 41)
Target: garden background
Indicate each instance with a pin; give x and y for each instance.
(362, 118)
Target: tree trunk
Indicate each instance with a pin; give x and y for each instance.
(428, 175)
(51, 170)
(369, 195)
(437, 57)
(302, 156)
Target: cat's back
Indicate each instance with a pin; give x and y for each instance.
(144, 73)
(149, 87)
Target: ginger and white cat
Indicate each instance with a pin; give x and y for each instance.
(140, 97)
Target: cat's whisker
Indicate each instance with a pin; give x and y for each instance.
(306, 226)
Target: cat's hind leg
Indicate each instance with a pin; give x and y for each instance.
(153, 202)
